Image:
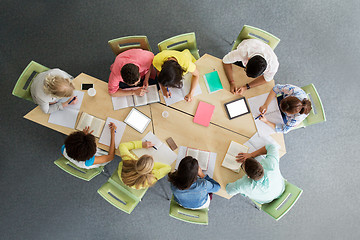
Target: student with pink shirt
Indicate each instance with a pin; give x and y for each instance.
(132, 68)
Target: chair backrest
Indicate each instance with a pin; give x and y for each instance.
(181, 42)
(84, 174)
(22, 86)
(122, 44)
(317, 113)
(248, 32)
(279, 207)
(199, 216)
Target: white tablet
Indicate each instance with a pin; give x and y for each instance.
(237, 108)
(137, 120)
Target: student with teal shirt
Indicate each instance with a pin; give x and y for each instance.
(263, 181)
(80, 149)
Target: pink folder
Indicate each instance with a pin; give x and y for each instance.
(204, 113)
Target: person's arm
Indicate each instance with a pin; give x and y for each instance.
(211, 185)
(146, 80)
(256, 82)
(165, 91)
(229, 75)
(270, 124)
(292, 121)
(241, 157)
(160, 170)
(236, 187)
(121, 92)
(111, 153)
(270, 97)
(194, 83)
(125, 148)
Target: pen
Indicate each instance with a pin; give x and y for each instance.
(72, 100)
(152, 146)
(258, 116)
(167, 89)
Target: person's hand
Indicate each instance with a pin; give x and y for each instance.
(86, 130)
(263, 118)
(263, 109)
(146, 84)
(233, 88)
(166, 93)
(241, 90)
(188, 97)
(241, 157)
(200, 173)
(140, 91)
(112, 127)
(147, 144)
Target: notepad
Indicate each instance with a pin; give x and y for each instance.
(96, 124)
(212, 81)
(106, 133)
(152, 96)
(256, 142)
(162, 153)
(204, 113)
(178, 94)
(230, 156)
(202, 157)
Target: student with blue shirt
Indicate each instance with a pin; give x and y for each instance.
(80, 149)
(190, 187)
(262, 181)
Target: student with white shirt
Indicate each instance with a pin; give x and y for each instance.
(258, 59)
(48, 87)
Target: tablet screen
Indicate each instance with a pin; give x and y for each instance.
(137, 120)
(237, 108)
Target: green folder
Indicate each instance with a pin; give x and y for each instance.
(212, 81)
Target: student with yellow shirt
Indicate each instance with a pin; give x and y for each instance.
(172, 65)
(139, 173)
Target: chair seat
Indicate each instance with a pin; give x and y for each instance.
(199, 216)
(84, 174)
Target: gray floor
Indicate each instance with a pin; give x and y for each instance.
(319, 44)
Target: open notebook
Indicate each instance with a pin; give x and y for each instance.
(256, 142)
(203, 157)
(161, 153)
(178, 94)
(230, 156)
(273, 113)
(96, 124)
(212, 160)
(106, 134)
(68, 116)
(152, 96)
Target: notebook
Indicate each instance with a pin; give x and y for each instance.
(161, 153)
(106, 134)
(203, 157)
(152, 96)
(204, 113)
(96, 124)
(230, 156)
(212, 81)
(178, 94)
(256, 142)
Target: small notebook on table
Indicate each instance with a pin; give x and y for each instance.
(96, 124)
(212, 81)
(106, 134)
(204, 113)
(230, 157)
(203, 157)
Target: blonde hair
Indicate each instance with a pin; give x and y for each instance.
(58, 86)
(138, 173)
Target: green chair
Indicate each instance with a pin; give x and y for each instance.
(249, 32)
(181, 42)
(122, 44)
(119, 195)
(199, 216)
(279, 207)
(22, 86)
(84, 174)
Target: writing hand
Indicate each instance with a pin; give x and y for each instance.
(112, 127)
(147, 144)
(263, 109)
(188, 97)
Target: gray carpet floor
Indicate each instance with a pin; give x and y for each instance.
(319, 44)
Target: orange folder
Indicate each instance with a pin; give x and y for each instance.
(204, 113)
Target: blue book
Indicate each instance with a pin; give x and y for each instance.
(212, 81)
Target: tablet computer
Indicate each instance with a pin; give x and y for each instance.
(237, 108)
(137, 120)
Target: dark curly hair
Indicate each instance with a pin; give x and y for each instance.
(80, 146)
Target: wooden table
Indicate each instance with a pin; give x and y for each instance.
(99, 106)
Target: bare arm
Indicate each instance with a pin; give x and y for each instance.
(121, 92)
(146, 80)
(270, 97)
(241, 157)
(229, 75)
(111, 153)
(256, 82)
(194, 83)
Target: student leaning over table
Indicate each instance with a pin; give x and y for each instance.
(80, 149)
(132, 68)
(262, 181)
(172, 65)
(48, 87)
(293, 103)
(190, 187)
(139, 173)
(258, 59)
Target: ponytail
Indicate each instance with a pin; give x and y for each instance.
(306, 106)
(138, 173)
(293, 105)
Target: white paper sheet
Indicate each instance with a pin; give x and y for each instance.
(66, 118)
(256, 142)
(80, 97)
(106, 135)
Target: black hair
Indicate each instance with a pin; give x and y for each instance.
(256, 66)
(130, 73)
(80, 146)
(186, 174)
(171, 74)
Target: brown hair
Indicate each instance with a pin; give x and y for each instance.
(80, 146)
(138, 172)
(293, 105)
(186, 174)
(58, 86)
(253, 169)
(130, 73)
